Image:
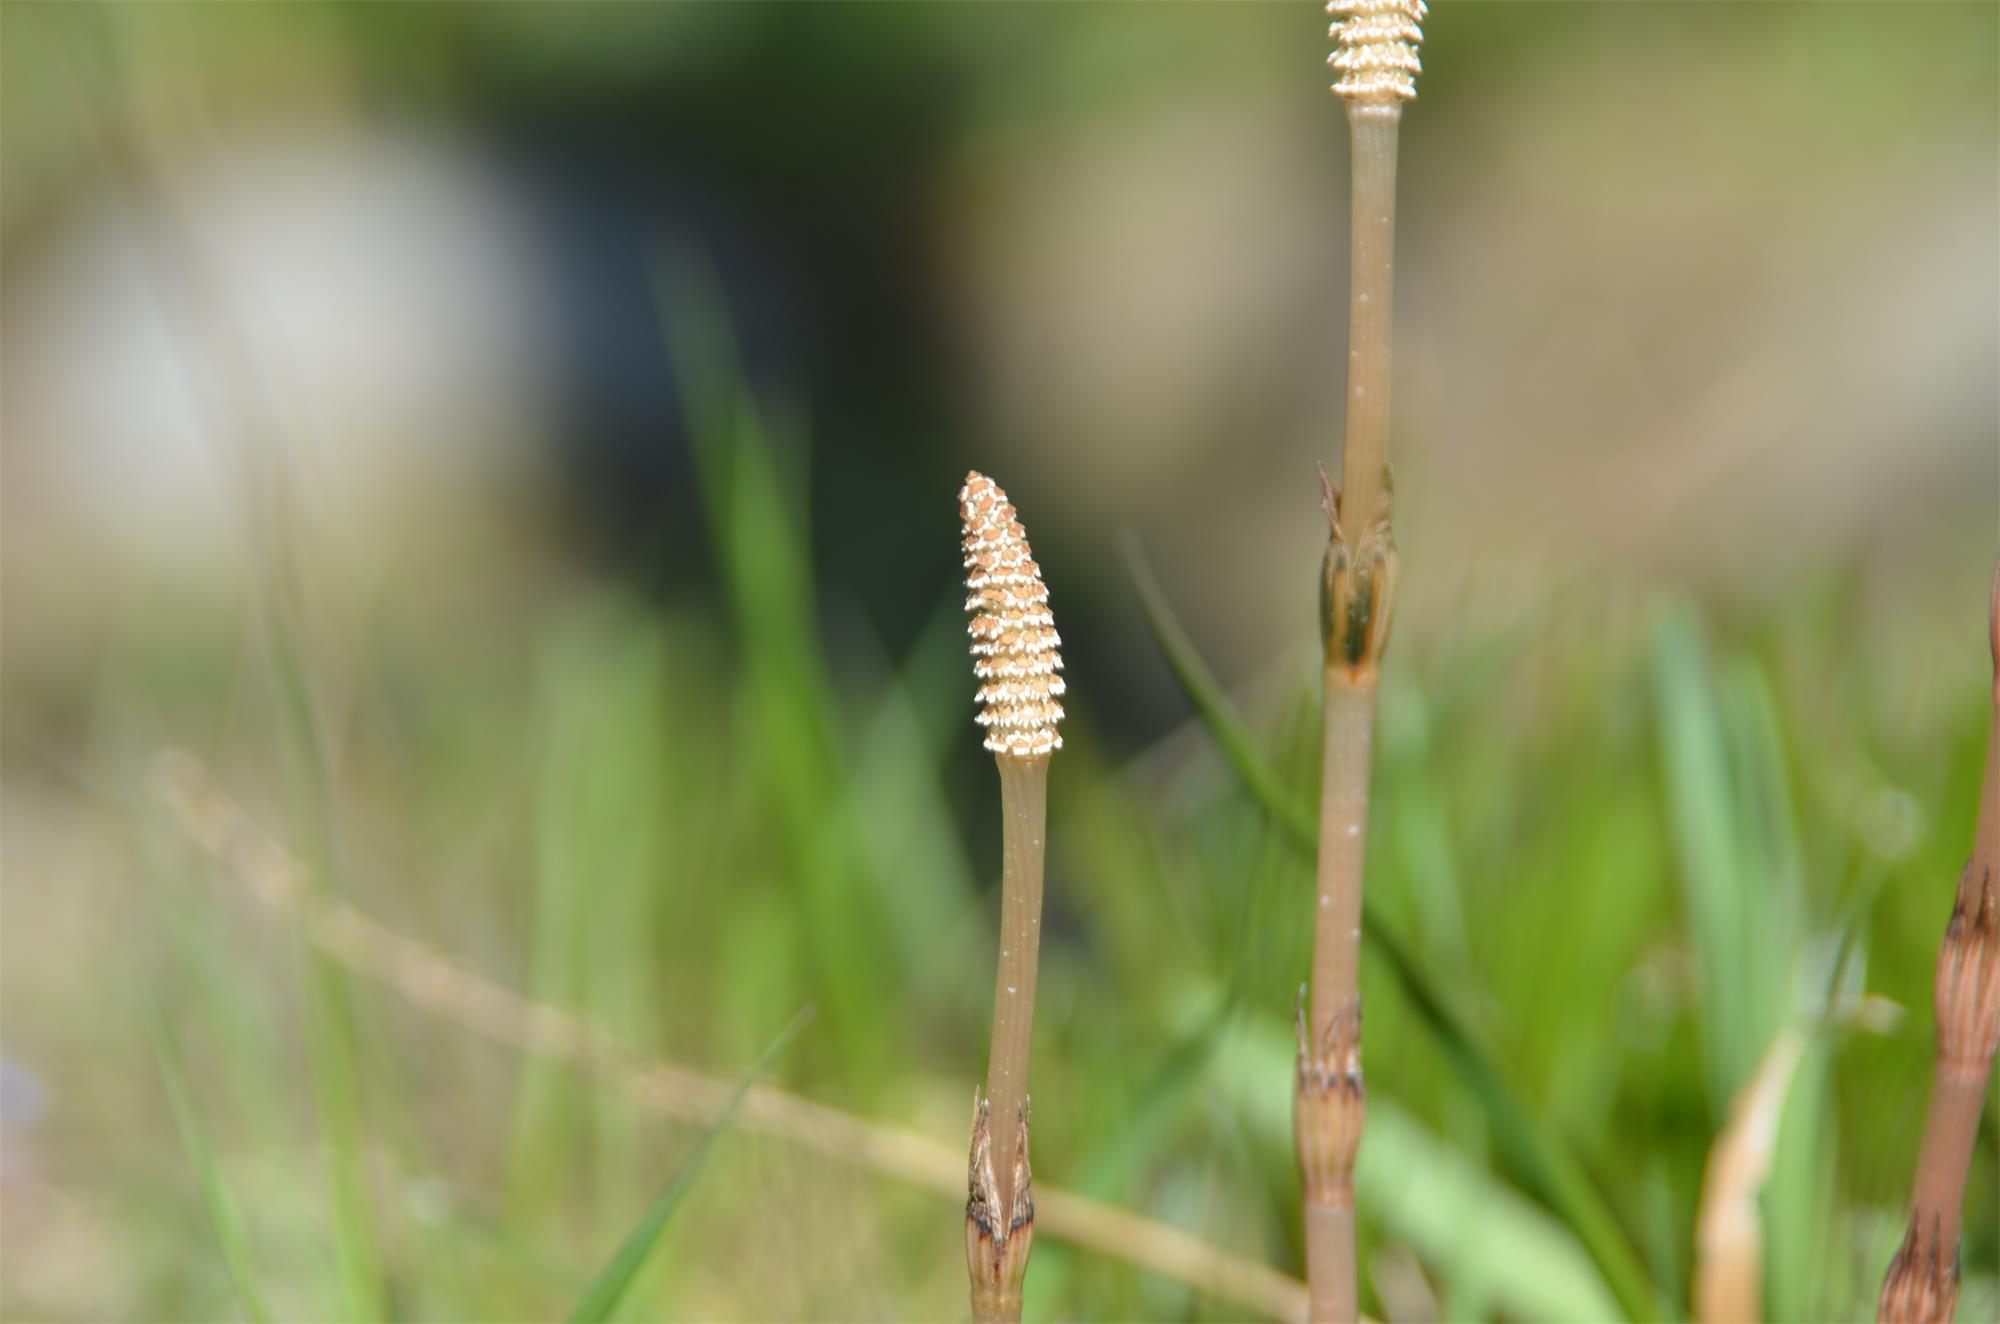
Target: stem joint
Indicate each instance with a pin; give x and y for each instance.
(999, 1226)
(1331, 1105)
(1357, 590)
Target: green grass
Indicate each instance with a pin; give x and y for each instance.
(225, 1214)
(1549, 1166)
(1619, 851)
(600, 1300)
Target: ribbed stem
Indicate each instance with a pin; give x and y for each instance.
(1343, 824)
(1330, 1273)
(1369, 310)
(1922, 1282)
(1332, 1098)
(1000, 1208)
(1965, 1060)
(1957, 1094)
(1357, 600)
(1024, 803)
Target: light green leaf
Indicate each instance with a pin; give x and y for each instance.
(600, 1299)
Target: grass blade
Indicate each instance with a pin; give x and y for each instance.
(599, 843)
(1554, 1173)
(1257, 775)
(749, 462)
(232, 1237)
(608, 1288)
(1700, 791)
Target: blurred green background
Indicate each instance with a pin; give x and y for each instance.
(512, 449)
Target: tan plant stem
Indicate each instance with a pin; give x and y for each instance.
(435, 985)
(1333, 1097)
(1024, 803)
(1922, 1282)
(1000, 1210)
(1343, 817)
(1373, 131)
(1357, 601)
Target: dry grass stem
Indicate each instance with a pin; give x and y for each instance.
(1922, 1282)
(439, 987)
(1729, 1230)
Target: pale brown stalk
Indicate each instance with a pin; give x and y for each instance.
(1373, 130)
(436, 985)
(1015, 647)
(1000, 1207)
(1024, 803)
(1377, 63)
(1922, 1283)
(1728, 1285)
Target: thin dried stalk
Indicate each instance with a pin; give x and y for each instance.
(437, 986)
(1729, 1234)
(1016, 657)
(1922, 1283)
(1377, 63)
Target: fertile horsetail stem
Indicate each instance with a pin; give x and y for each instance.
(1376, 65)
(1014, 649)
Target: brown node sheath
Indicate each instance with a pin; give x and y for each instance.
(1357, 591)
(1329, 1106)
(999, 1230)
(1922, 1285)
(1332, 1104)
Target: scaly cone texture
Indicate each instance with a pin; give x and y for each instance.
(1013, 636)
(1377, 60)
